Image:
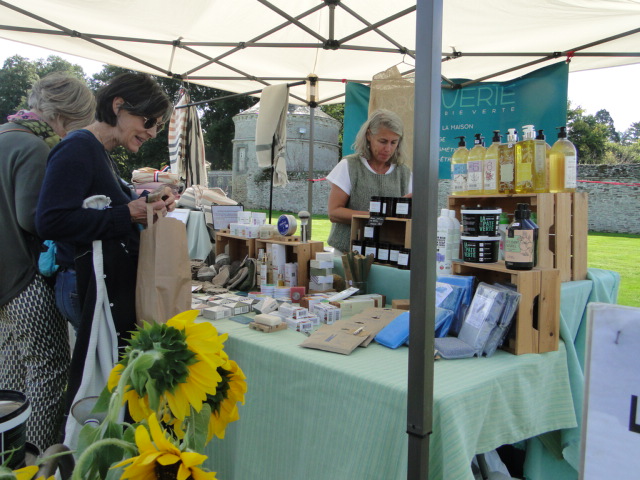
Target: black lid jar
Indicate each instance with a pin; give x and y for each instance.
(370, 247)
(394, 251)
(356, 246)
(404, 259)
(383, 253)
(375, 205)
(402, 207)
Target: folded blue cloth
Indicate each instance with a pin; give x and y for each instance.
(395, 333)
(467, 283)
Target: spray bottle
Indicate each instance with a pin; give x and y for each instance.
(541, 164)
(563, 160)
(454, 225)
(443, 254)
(474, 166)
(459, 168)
(507, 163)
(525, 153)
(490, 167)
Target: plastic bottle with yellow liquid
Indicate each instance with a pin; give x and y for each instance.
(474, 166)
(459, 168)
(541, 164)
(563, 164)
(490, 166)
(507, 163)
(525, 153)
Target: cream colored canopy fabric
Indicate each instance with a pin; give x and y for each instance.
(245, 45)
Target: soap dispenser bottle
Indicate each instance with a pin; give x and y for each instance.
(541, 164)
(563, 160)
(459, 168)
(507, 163)
(521, 242)
(474, 166)
(525, 152)
(490, 166)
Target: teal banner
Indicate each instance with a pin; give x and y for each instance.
(538, 98)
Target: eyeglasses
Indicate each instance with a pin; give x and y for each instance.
(148, 122)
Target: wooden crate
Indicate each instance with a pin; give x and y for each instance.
(296, 252)
(238, 247)
(562, 219)
(396, 231)
(536, 327)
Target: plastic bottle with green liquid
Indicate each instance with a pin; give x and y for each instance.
(525, 153)
(507, 163)
(490, 166)
(541, 164)
(459, 168)
(563, 164)
(474, 166)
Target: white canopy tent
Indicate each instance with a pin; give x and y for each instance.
(245, 45)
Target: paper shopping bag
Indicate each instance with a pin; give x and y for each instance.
(163, 284)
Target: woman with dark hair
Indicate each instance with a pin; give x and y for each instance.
(375, 169)
(34, 342)
(84, 200)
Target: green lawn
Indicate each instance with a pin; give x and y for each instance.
(610, 251)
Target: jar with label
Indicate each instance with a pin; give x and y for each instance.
(404, 259)
(375, 205)
(394, 251)
(356, 246)
(383, 253)
(372, 232)
(402, 207)
(371, 248)
(521, 243)
(387, 206)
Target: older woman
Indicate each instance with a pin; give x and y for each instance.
(131, 109)
(375, 169)
(34, 344)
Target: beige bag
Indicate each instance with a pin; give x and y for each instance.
(163, 286)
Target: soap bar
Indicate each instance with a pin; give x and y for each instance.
(266, 319)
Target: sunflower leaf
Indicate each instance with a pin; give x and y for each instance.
(151, 389)
(195, 436)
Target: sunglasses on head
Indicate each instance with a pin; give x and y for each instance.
(148, 122)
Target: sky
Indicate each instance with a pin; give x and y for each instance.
(592, 90)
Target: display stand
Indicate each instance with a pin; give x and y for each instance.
(296, 251)
(236, 246)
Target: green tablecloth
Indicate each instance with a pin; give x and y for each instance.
(315, 415)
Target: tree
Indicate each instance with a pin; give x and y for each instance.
(604, 118)
(587, 134)
(16, 77)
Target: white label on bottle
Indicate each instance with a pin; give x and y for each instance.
(474, 175)
(374, 207)
(368, 232)
(506, 173)
(402, 208)
(490, 179)
(393, 255)
(459, 176)
(570, 171)
(383, 254)
(370, 251)
(403, 259)
(357, 249)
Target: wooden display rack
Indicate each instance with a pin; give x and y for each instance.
(536, 326)
(562, 221)
(396, 231)
(239, 247)
(298, 252)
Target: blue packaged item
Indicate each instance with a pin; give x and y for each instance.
(500, 331)
(395, 333)
(482, 316)
(467, 283)
(443, 321)
(449, 296)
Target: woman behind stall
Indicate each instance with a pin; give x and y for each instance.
(34, 344)
(376, 168)
(131, 110)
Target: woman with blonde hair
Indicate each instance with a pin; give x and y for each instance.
(34, 342)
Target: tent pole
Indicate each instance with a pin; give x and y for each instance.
(423, 252)
(312, 111)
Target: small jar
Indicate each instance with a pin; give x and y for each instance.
(356, 246)
(371, 247)
(375, 206)
(404, 259)
(383, 253)
(372, 232)
(394, 251)
(402, 208)
(388, 208)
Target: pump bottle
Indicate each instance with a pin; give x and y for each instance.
(490, 166)
(521, 242)
(454, 225)
(459, 168)
(563, 160)
(507, 163)
(474, 166)
(525, 152)
(541, 164)
(443, 254)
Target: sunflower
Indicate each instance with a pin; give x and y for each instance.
(27, 473)
(186, 356)
(159, 458)
(224, 405)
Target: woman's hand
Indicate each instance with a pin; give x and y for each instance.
(337, 206)
(138, 209)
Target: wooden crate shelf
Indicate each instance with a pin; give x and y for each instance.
(238, 247)
(396, 231)
(536, 326)
(562, 221)
(296, 251)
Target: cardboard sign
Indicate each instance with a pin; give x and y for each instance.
(611, 423)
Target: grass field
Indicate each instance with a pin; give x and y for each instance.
(610, 251)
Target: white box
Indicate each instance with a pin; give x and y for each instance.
(244, 217)
(258, 218)
(322, 279)
(321, 264)
(324, 257)
(320, 287)
(216, 313)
